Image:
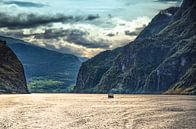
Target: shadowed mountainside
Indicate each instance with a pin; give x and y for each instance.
(161, 60)
(12, 77)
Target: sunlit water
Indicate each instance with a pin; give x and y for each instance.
(79, 111)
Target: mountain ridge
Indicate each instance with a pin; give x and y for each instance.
(155, 62)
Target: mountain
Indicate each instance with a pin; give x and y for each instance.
(12, 78)
(162, 59)
(46, 70)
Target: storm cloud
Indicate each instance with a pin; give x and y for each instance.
(80, 38)
(74, 36)
(83, 28)
(135, 32)
(24, 4)
(21, 21)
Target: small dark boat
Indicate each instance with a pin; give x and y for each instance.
(110, 96)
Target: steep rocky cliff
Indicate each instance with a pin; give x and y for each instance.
(92, 70)
(161, 60)
(12, 78)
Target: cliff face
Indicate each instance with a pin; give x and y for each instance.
(12, 78)
(93, 70)
(162, 58)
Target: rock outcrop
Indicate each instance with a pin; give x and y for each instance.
(161, 60)
(12, 77)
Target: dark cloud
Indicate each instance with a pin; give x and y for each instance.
(92, 17)
(80, 38)
(52, 34)
(75, 36)
(32, 20)
(111, 34)
(29, 20)
(136, 32)
(129, 33)
(24, 4)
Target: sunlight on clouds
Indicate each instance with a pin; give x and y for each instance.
(95, 35)
(81, 28)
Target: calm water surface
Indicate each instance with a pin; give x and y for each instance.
(80, 111)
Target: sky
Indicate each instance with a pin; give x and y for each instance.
(80, 27)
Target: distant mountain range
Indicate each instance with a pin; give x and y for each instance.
(161, 60)
(12, 78)
(45, 70)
